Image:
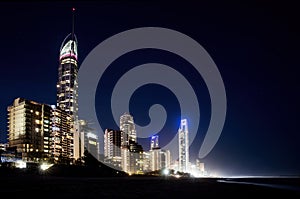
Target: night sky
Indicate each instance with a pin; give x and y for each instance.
(255, 45)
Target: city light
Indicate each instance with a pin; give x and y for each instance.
(20, 164)
(166, 172)
(45, 166)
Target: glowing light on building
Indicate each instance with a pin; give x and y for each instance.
(45, 166)
(92, 135)
(20, 164)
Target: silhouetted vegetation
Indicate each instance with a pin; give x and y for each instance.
(91, 167)
(88, 167)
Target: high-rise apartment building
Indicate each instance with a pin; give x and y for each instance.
(131, 151)
(159, 158)
(61, 142)
(112, 147)
(127, 127)
(29, 129)
(183, 163)
(155, 154)
(40, 132)
(132, 158)
(165, 159)
(154, 142)
(88, 139)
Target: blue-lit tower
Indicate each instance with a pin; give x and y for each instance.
(183, 132)
(154, 142)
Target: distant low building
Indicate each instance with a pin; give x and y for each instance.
(3, 146)
(9, 154)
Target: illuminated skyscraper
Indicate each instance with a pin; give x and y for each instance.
(132, 158)
(183, 146)
(61, 142)
(165, 159)
(154, 142)
(159, 158)
(127, 127)
(112, 147)
(40, 131)
(67, 84)
(29, 129)
(131, 151)
(155, 154)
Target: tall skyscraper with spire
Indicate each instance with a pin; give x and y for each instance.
(67, 84)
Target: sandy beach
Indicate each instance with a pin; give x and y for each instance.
(38, 186)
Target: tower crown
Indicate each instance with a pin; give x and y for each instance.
(69, 48)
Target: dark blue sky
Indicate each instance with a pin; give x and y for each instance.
(255, 45)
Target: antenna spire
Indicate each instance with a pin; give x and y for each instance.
(73, 16)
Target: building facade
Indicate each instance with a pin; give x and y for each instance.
(155, 154)
(112, 148)
(62, 142)
(183, 141)
(67, 84)
(88, 139)
(127, 127)
(29, 129)
(165, 159)
(132, 153)
(132, 158)
(67, 87)
(40, 132)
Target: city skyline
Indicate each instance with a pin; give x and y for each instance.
(58, 136)
(256, 56)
